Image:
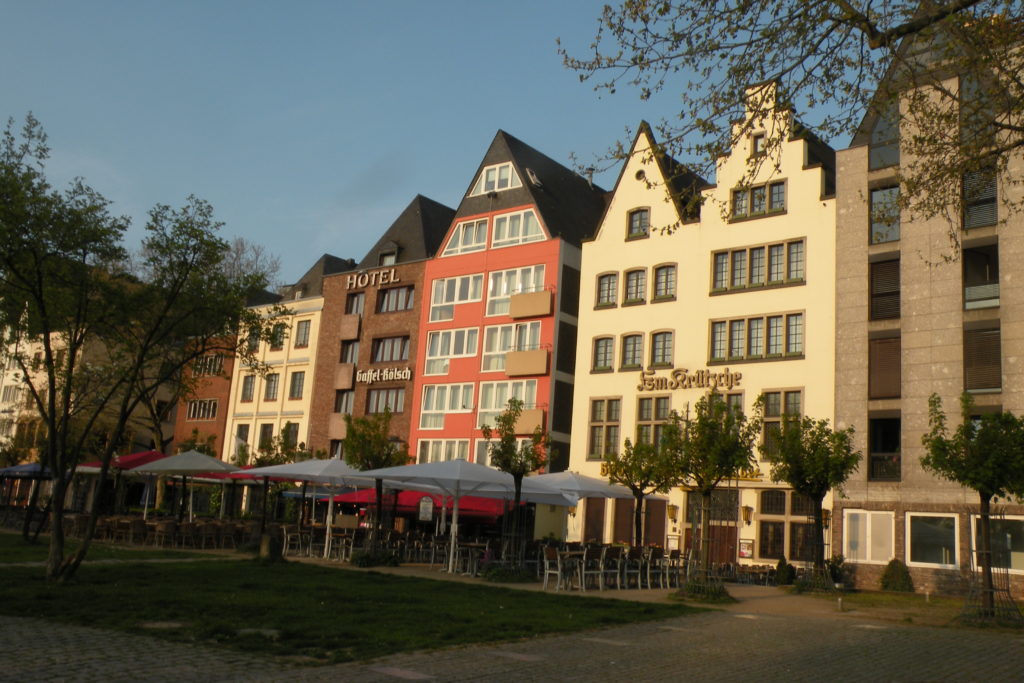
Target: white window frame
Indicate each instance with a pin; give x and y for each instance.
(203, 409)
(296, 384)
(441, 450)
(467, 237)
(442, 348)
(975, 540)
(501, 339)
(503, 223)
(480, 448)
(493, 399)
(302, 328)
(394, 398)
(867, 536)
(490, 179)
(502, 284)
(386, 348)
(443, 302)
(956, 539)
(441, 399)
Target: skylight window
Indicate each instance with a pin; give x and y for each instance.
(496, 178)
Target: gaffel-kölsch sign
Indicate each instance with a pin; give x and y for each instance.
(384, 375)
(681, 378)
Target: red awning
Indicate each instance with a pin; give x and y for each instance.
(409, 501)
(126, 462)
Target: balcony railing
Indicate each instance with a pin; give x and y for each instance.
(884, 467)
(981, 296)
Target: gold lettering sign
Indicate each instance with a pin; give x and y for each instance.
(681, 378)
(376, 277)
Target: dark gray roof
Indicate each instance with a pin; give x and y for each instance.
(312, 283)
(570, 206)
(415, 235)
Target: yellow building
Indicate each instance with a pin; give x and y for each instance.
(738, 295)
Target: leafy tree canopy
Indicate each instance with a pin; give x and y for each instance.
(812, 457)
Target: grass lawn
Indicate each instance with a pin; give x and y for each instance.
(314, 614)
(903, 607)
(14, 549)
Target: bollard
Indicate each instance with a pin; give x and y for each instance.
(840, 603)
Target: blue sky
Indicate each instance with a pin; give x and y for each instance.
(308, 125)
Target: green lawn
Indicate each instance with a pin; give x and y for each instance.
(317, 614)
(14, 549)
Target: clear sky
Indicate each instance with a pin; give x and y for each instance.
(308, 125)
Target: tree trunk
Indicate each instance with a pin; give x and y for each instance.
(56, 554)
(819, 536)
(705, 532)
(517, 541)
(33, 500)
(379, 489)
(985, 557)
(638, 519)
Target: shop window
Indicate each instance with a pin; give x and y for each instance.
(932, 540)
(867, 536)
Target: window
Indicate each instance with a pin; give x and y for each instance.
(270, 385)
(467, 237)
(516, 228)
(483, 447)
(438, 450)
(10, 394)
(632, 351)
(390, 349)
(607, 286)
(500, 339)
(981, 276)
(605, 414)
(253, 341)
(932, 541)
(350, 351)
(604, 351)
(355, 303)
(980, 208)
(802, 541)
(885, 290)
(266, 436)
(742, 268)
(302, 334)
(651, 415)
(773, 502)
(759, 200)
(203, 409)
(444, 345)
(885, 137)
(241, 438)
(504, 283)
(439, 399)
(290, 434)
(277, 337)
(867, 536)
(344, 399)
(884, 449)
(982, 365)
(298, 379)
(636, 287)
(777, 405)
(771, 543)
(756, 144)
(1006, 543)
(725, 503)
(661, 349)
(378, 400)
(664, 282)
(210, 364)
(884, 377)
(396, 299)
(885, 215)
(387, 259)
(801, 505)
(494, 398)
(745, 338)
(496, 178)
(639, 224)
(454, 290)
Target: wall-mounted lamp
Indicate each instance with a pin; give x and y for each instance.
(572, 511)
(748, 514)
(826, 518)
(673, 512)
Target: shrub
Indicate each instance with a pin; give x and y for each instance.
(498, 573)
(784, 572)
(836, 566)
(362, 558)
(896, 577)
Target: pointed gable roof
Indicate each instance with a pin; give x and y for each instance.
(312, 283)
(570, 206)
(415, 235)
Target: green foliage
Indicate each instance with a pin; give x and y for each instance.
(836, 567)
(896, 577)
(363, 558)
(503, 573)
(643, 468)
(785, 573)
(506, 453)
(368, 443)
(700, 589)
(198, 442)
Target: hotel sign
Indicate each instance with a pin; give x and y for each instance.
(375, 277)
(681, 378)
(384, 375)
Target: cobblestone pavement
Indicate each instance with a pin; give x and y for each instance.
(714, 646)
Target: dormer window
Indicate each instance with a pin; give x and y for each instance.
(388, 259)
(495, 179)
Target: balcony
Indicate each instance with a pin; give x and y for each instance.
(336, 427)
(981, 277)
(981, 296)
(530, 304)
(529, 420)
(884, 467)
(522, 363)
(344, 375)
(349, 328)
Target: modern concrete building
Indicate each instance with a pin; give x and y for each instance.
(738, 296)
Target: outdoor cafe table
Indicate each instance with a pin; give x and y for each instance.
(570, 565)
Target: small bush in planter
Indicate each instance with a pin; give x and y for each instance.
(785, 573)
(896, 577)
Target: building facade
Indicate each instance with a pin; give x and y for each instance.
(737, 296)
(204, 413)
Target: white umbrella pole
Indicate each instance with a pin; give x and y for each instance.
(454, 535)
(330, 525)
(149, 491)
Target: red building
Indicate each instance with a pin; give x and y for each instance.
(500, 320)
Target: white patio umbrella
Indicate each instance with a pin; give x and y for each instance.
(583, 486)
(183, 465)
(457, 478)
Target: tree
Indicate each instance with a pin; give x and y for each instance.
(984, 454)
(368, 445)
(813, 459)
(644, 469)
(838, 58)
(109, 329)
(715, 444)
(516, 457)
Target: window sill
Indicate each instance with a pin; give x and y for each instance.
(634, 302)
(599, 307)
(630, 368)
(637, 236)
(755, 216)
(601, 371)
(663, 299)
(661, 365)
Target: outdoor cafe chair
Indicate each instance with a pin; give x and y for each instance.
(165, 533)
(674, 566)
(633, 564)
(592, 565)
(612, 565)
(553, 566)
(655, 566)
(292, 540)
(206, 533)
